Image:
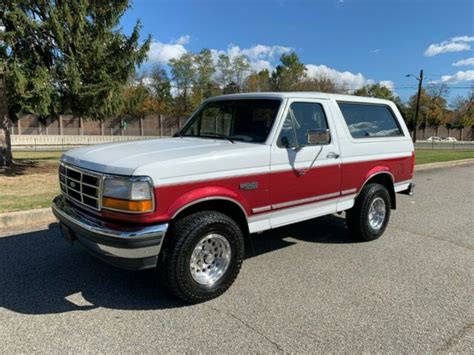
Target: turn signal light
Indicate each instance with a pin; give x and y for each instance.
(126, 205)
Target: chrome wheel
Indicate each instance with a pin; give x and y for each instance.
(210, 259)
(377, 212)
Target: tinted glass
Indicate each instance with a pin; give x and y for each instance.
(307, 116)
(244, 120)
(365, 121)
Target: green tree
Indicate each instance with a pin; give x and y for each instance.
(376, 90)
(257, 82)
(161, 88)
(204, 71)
(240, 69)
(137, 102)
(288, 75)
(67, 56)
(224, 68)
(184, 75)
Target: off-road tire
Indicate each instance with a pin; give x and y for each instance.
(357, 218)
(184, 234)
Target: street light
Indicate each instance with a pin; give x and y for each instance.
(420, 83)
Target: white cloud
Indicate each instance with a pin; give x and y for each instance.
(455, 44)
(163, 52)
(376, 50)
(348, 79)
(260, 56)
(460, 76)
(389, 84)
(464, 62)
(183, 40)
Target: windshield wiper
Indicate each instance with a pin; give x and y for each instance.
(218, 135)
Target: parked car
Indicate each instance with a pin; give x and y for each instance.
(434, 139)
(450, 139)
(242, 164)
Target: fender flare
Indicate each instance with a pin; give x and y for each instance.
(208, 193)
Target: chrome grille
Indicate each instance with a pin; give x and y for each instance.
(81, 186)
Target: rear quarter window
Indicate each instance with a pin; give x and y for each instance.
(370, 120)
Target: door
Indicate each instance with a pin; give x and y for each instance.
(303, 173)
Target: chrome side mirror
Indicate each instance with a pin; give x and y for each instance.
(318, 136)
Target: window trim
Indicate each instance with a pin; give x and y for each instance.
(392, 113)
(201, 107)
(287, 112)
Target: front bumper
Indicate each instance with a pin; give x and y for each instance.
(132, 248)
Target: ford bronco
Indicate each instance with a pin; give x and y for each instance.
(241, 164)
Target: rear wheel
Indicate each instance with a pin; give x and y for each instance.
(203, 257)
(369, 217)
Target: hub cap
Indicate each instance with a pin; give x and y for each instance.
(210, 259)
(377, 213)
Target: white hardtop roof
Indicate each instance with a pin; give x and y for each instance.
(300, 94)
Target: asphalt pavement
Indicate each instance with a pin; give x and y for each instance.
(303, 288)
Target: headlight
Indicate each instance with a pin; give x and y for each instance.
(131, 195)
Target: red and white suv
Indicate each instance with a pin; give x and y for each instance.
(242, 164)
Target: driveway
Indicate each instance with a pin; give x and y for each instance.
(303, 288)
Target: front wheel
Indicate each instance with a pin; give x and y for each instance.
(369, 217)
(203, 257)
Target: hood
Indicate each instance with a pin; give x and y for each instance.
(163, 158)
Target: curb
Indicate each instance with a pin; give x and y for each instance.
(445, 164)
(45, 215)
(26, 218)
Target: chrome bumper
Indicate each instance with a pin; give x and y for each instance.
(125, 247)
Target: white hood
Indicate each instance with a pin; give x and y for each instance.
(169, 158)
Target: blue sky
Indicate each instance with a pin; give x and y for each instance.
(351, 41)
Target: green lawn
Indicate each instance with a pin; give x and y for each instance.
(434, 156)
(34, 182)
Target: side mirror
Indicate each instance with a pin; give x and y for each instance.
(318, 136)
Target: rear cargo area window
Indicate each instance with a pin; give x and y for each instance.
(368, 120)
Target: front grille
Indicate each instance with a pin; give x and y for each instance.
(80, 185)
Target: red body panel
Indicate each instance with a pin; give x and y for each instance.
(286, 186)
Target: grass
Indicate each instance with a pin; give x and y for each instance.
(33, 182)
(435, 156)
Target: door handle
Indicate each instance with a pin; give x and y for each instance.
(332, 155)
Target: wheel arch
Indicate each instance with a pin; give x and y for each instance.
(386, 179)
(225, 205)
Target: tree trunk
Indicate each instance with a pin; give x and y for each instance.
(5, 142)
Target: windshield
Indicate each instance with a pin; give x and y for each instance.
(240, 120)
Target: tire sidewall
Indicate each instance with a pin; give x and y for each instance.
(373, 193)
(235, 239)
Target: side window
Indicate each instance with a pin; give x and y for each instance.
(367, 120)
(307, 116)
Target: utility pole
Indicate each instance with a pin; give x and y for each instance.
(420, 84)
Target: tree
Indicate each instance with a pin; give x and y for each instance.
(376, 90)
(257, 82)
(224, 68)
(240, 69)
(138, 102)
(322, 84)
(288, 75)
(204, 86)
(184, 75)
(161, 88)
(67, 56)
(463, 112)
